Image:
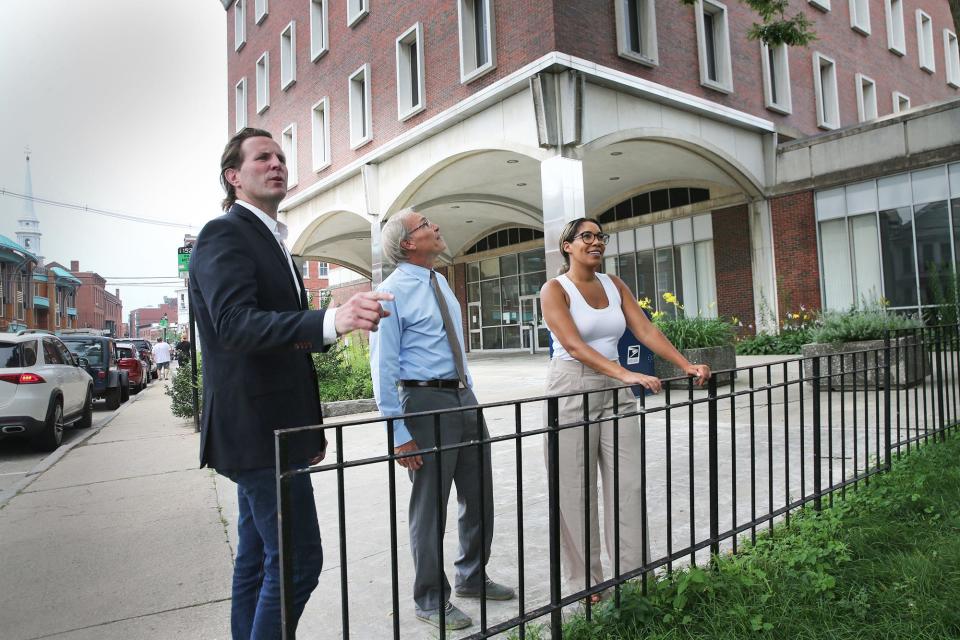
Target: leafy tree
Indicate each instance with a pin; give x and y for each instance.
(776, 27)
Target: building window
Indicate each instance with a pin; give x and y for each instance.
(825, 88)
(501, 293)
(477, 38)
(356, 11)
(823, 5)
(900, 102)
(239, 24)
(637, 30)
(896, 38)
(288, 56)
(288, 143)
(324, 298)
(360, 125)
(951, 54)
(318, 29)
(305, 269)
(713, 43)
(776, 78)
(860, 16)
(263, 82)
(240, 103)
(410, 72)
(654, 201)
(322, 270)
(866, 98)
(261, 8)
(925, 42)
(320, 130)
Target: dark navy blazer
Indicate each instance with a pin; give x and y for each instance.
(256, 335)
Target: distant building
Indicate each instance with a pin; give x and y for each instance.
(97, 308)
(144, 321)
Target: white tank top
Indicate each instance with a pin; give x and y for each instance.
(599, 328)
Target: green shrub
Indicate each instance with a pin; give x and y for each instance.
(870, 323)
(181, 392)
(690, 332)
(344, 372)
(787, 342)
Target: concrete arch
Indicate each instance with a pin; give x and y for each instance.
(303, 239)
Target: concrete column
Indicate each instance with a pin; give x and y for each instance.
(370, 173)
(563, 200)
(764, 269)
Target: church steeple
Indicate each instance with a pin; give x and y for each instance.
(28, 226)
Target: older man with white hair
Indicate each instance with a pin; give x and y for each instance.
(418, 364)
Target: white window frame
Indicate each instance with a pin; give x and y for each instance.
(323, 270)
(405, 107)
(647, 12)
(357, 10)
(320, 132)
(896, 33)
(469, 70)
(826, 91)
(860, 16)
(263, 82)
(721, 41)
(866, 98)
(823, 5)
(305, 269)
(288, 56)
(261, 9)
(319, 29)
(781, 62)
(361, 126)
(925, 42)
(951, 55)
(239, 24)
(898, 99)
(288, 143)
(240, 104)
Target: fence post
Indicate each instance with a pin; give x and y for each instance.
(817, 445)
(287, 623)
(714, 471)
(553, 491)
(940, 386)
(887, 404)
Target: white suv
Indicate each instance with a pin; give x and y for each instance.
(42, 388)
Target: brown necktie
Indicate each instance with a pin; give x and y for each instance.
(449, 329)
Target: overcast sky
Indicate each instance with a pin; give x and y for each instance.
(123, 104)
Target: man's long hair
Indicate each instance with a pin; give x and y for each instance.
(232, 158)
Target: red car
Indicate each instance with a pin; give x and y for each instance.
(129, 360)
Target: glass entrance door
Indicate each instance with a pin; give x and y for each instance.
(473, 326)
(531, 316)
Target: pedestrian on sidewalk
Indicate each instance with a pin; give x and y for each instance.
(587, 313)
(418, 364)
(258, 333)
(161, 355)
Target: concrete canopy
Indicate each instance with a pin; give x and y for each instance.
(340, 237)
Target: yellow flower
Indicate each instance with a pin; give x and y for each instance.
(734, 320)
(669, 297)
(796, 316)
(644, 303)
(656, 315)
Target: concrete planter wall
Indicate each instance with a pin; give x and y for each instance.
(717, 358)
(348, 407)
(910, 362)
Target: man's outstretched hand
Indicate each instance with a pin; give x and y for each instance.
(362, 311)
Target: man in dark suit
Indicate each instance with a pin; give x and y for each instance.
(257, 334)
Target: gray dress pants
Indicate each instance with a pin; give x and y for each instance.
(466, 468)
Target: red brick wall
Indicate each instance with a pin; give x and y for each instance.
(731, 251)
(795, 251)
(853, 53)
(339, 295)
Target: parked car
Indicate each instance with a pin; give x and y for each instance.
(109, 381)
(129, 359)
(43, 388)
(146, 351)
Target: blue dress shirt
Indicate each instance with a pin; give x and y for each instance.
(411, 343)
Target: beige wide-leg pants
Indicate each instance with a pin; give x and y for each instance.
(566, 376)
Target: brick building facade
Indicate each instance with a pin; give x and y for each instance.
(97, 308)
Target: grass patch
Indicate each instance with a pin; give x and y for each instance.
(884, 563)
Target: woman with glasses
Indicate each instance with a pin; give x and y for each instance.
(587, 313)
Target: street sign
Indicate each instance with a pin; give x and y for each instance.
(183, 260)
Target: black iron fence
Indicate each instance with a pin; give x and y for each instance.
(714, 464)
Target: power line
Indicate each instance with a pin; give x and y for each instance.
(102, 212)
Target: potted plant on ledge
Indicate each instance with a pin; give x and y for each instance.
(701, 340)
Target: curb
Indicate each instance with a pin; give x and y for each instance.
(56, 456)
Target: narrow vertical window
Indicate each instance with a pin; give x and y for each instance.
(261, 8)
(410, 72)
(318, 29)
(951, 53)
(356, 11)
(477, 48)
(240, 104)
(359, 89)
(825, 89)
(288, 56)
(925, 42)
(288, 144)
(776, 78)
(323, 269)
(239, 24)
(896, 37)
(900, 102)
(263, 82)
(320, 129)
(866, 98)
(860, 16)
(713, 40)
